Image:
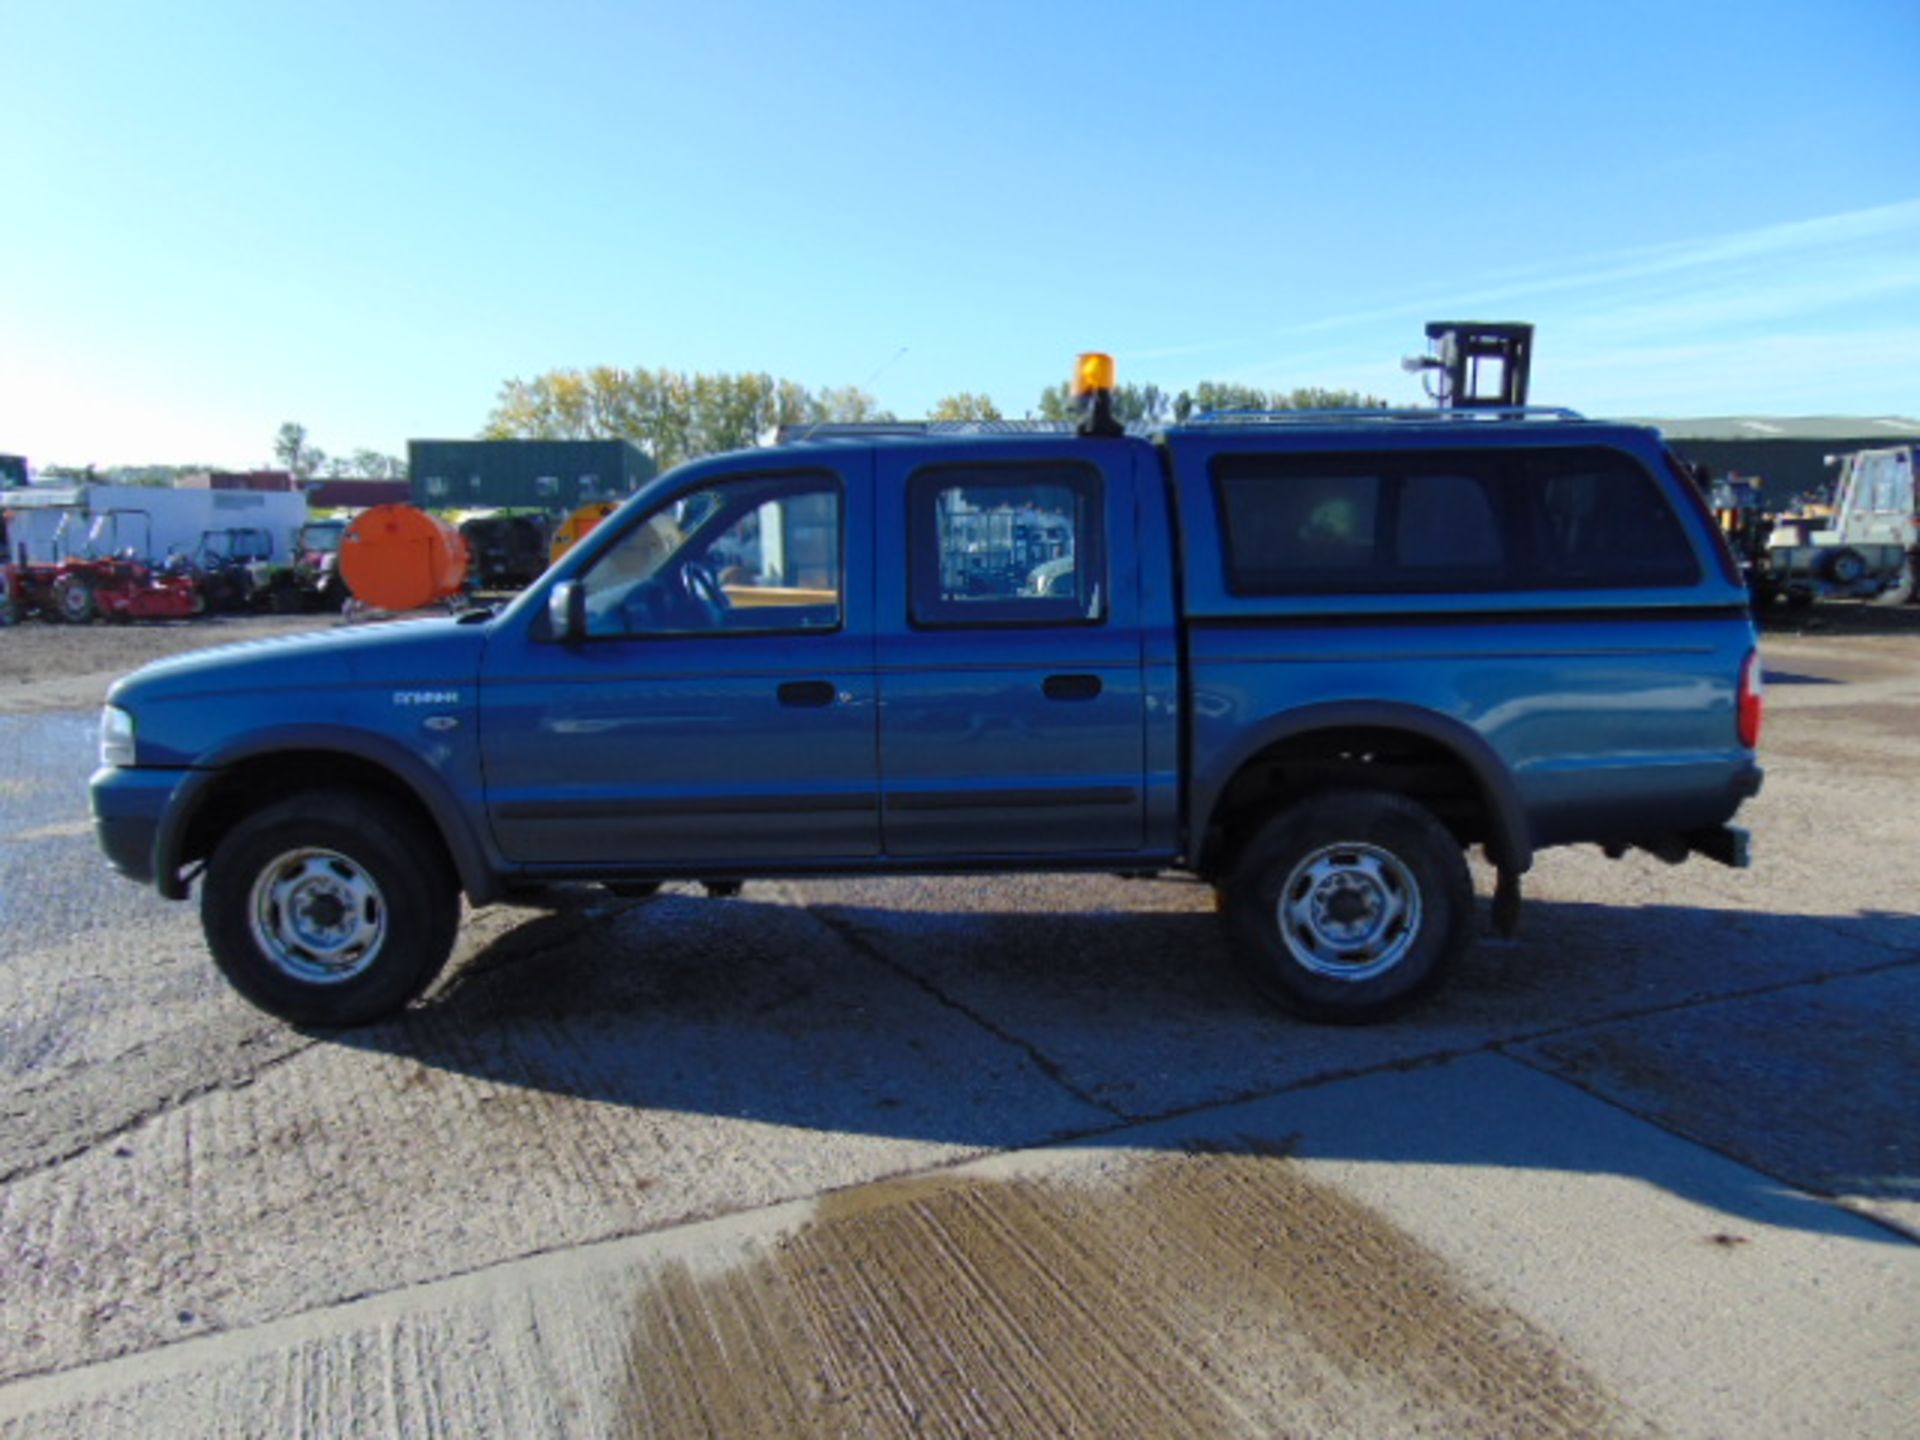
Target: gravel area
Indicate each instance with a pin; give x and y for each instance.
(1841, 617)
(45, 666)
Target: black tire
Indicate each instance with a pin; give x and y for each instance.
(631, 889)
(73, 599)
(1381, 906)
(365, 915)
(1845, 566)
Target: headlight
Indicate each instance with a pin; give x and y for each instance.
(116, 736)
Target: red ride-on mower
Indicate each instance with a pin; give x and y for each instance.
(112, 580)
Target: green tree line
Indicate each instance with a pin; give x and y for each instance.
(675, 416)
(672, 415)
(1150, 405)
(296, 453)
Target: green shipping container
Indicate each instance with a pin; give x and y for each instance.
(557, 476)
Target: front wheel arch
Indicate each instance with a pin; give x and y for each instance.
(215, 799)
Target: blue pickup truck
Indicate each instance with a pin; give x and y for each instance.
(1310, 659)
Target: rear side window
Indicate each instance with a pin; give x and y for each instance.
(1014, 544)
(1596, 519)
(1363, 523)
(1448, 521)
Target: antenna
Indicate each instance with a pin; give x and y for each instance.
(879, 370)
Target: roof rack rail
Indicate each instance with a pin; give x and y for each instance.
(1445, 417)
(910, 429)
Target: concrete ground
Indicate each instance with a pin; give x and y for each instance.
(962, 1157)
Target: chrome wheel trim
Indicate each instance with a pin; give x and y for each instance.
(317, 916)
(1349, 912)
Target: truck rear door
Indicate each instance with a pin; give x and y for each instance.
(1009, 651)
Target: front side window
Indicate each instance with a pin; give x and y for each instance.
(752, 555)
(1006, 545)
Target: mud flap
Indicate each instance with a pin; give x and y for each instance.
(1506, 904)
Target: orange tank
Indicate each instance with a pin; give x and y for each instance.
(400, 558)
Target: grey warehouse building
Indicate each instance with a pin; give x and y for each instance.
(1787, 454)
(552, 475)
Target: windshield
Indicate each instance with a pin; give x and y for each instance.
(237, 544)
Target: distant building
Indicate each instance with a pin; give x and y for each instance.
(552, 475)
(354, 494)
(1786, 455)
(49, 523)
(271, 482)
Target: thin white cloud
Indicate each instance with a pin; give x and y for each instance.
(1817, 314)
(1805, 374)
(1887, 232)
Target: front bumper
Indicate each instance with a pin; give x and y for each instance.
(128, 806)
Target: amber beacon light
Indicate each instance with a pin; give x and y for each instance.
(1093, 388)
(1093, 372)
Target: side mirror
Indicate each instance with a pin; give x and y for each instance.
(567, 611)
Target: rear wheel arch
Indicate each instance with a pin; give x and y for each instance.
(1438, 762)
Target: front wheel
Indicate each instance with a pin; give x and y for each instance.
(329, 908)
(1349, 905)
(73, 599)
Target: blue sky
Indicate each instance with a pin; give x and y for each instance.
(216, 217)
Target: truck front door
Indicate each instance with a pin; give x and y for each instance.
(719, 707)
(1009, 653)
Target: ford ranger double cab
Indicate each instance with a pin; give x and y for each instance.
(1310, 659)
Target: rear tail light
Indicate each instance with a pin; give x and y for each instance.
(1752, 700)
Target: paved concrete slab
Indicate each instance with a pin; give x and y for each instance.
(703, 1057)
(1468, 1249)
(1128, 988)
(1818, 1085)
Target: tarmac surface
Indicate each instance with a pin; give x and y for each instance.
(988, 1156)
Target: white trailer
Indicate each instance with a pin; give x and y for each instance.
(1873, 545)
(47, 524)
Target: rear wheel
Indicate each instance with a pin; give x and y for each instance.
(329, 908)
(1349, 905)
(1846, 567)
